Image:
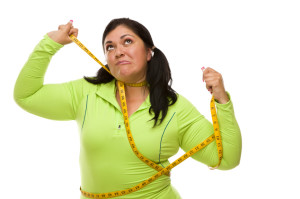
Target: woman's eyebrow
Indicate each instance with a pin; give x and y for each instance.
(120, 38)
(108, 42)
(126, 35)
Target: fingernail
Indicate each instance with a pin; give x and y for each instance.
(71, 21)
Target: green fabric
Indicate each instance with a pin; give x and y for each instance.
(107, 162)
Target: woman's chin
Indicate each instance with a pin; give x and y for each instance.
(124, 75)
(127, 76)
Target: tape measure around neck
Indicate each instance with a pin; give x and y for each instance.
(161, 171)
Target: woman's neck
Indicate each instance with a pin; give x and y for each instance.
(135, 93)
(135, 96)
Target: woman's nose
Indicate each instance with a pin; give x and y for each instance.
(119, 52)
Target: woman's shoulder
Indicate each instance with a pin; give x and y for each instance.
(183, 103)
(86, 87)
(186, 112)
(181, 100)
(82, 83)
(83, 86)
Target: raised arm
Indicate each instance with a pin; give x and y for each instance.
(53, 101)
(195, 128)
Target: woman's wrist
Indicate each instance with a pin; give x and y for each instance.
(223, 99)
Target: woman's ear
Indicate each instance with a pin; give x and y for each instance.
(149, 54)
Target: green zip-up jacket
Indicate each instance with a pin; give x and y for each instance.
(107, 162)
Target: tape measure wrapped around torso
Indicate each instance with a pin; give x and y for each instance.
(161, 171)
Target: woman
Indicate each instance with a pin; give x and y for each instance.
(160, 120)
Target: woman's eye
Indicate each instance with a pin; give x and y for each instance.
(109, 47)
(128, 41)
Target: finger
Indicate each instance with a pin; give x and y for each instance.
(60, 27)
(215, 78)
(203, 69)
(205, 72)
(209, 83)
(208, 77)
(212, 75)
(74, 31)
(210, 89)
(67, 27)
(214, 82)
(209, 70)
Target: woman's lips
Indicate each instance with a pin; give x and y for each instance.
(123, 62)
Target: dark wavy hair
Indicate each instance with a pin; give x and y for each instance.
(158, 72)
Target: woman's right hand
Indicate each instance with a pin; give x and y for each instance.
(62, 34)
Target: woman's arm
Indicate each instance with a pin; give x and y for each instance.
(53, 101)
(194, 128)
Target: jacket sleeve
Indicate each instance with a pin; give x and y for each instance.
(195, 128)
(52, 101)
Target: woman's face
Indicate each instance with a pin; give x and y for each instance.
(126, 55)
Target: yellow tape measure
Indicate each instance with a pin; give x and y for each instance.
(75, 40)
(161, 170)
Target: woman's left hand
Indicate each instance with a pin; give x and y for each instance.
(214, 84)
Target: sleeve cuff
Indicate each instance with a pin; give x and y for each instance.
(56, 46)
(226, 105)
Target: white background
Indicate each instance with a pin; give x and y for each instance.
(254, 44)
